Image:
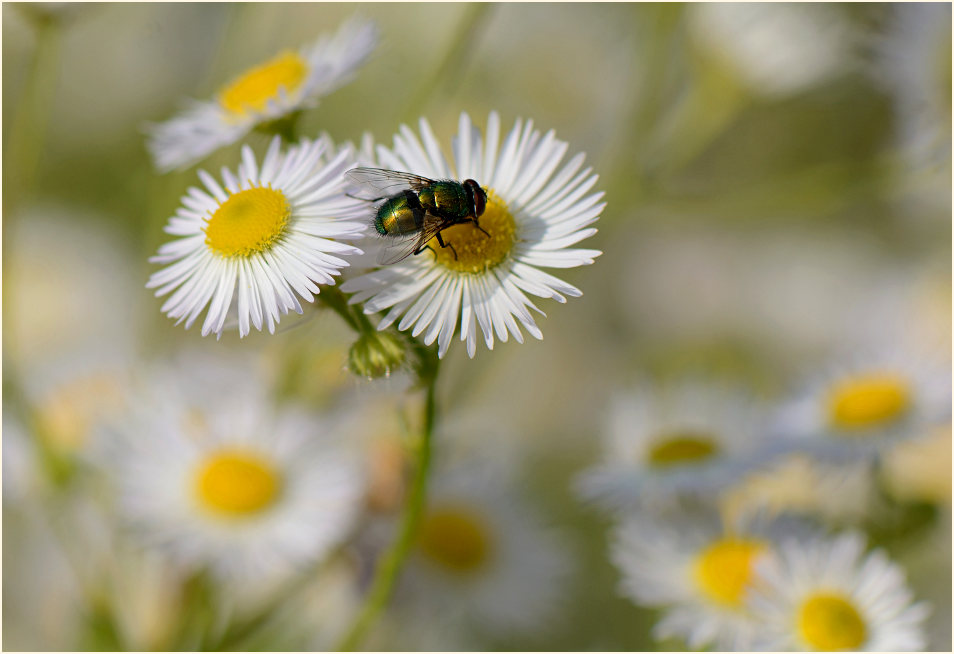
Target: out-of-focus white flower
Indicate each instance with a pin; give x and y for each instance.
(209, 471)
(698, 571)
(531, 220)
(86, 277)
(778, 49)
(828, 594)
(287, 83)
(920, 470)
(484, 561)
(913, 63)
(270, 233)
(660, 442)
(874, 398)
(72, 398)
(797, 484)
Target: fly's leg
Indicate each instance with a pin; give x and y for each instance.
(477, 225)
(427, 247)
(355, 197)
(441, 242)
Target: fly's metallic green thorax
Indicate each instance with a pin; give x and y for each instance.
(399, 215)
(448, 200)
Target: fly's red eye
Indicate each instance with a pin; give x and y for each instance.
(480, 198)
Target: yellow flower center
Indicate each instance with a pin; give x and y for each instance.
(724, 569)
(477, 252)
(456, 538)
(682, 448)
(237, 483)
(829, 622)
(248, 222)
(252, 91)
(868, 401)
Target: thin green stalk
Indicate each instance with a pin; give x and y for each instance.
(32, 113)
(448, 75)
(390, 564)
(25, 144)
(332, 298)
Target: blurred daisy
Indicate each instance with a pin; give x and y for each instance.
(777, 49)
(692, 438)
(72, 398)
(54, 243)
(830, 595)
(484, 561)
(913, 63)
(251, 244)
(287, 83)
(868, 403)
(220, 479)
(919, 470)
(697, 571)
(797, 484)
(532, 217)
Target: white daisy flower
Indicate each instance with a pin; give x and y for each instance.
(209, 472)
(484, 561)
(797, 484)
(70, 399)
(697, 571)
(267, 233)
(777, 49)
(913, 63)
(872, 400)
(533, 215)
(830, 595)
(692, 438)
(287, 83)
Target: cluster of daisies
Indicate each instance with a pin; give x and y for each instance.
(255, 242)
(189, 474)
(743, 524)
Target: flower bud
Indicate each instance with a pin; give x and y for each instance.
(376, 354)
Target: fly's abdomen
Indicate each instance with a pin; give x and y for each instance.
(399, 215)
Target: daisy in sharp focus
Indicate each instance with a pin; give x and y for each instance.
(697, 571)
(285, 84)
(264, 235)
(692, 438)
(213, 474)
(829, 595)
(534, 212)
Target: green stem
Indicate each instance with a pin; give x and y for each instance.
(390, 564)
(32, 113)
(462, 46)
(21, 157)
(332, 298)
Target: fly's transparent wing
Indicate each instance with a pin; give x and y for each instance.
(379, 183)
(405, 246)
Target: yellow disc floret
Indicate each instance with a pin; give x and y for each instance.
(829, 622)
(724, 569)
(248, 222)
(868, 401)
(477, 252)
(682, 448)
(456, 538)
(252, 91)
(237, 483)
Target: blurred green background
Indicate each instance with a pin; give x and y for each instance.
(757, 201)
